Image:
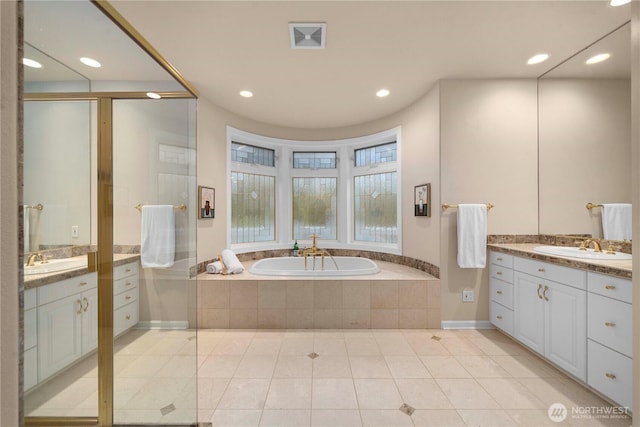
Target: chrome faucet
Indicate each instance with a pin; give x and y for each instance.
(585, 245)
(33, 258)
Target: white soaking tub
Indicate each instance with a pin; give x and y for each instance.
(333, 266)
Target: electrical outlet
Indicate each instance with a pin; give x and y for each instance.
(467, 296)
(75, 231)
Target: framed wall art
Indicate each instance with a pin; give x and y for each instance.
(422, 200)
(206, 202)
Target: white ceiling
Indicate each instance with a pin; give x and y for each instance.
(222, 47)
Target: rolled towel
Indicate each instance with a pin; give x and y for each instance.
(231, 262)
(214, 267)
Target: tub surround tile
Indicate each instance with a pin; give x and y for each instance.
(214, 294)
(244, 295)
(384, 294)
(356, 318)
(299, 294)
(214, 318)
(327, 319)
(356, 294)
(243, 318)
(412, 294)
(384, 318)
(327, 294)
(412, 318)
(274, 318)
(299, 318)
(272, 294)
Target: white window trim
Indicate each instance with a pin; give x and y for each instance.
(345, 172)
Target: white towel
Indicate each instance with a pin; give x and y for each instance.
(472, 235)
(158, 237)
(231, 262)
(616, 221)
(214, 267)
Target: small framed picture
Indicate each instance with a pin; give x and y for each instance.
(422, 200)
(206, 202)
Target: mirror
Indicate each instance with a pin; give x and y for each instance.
(59, 136)
(584, 127)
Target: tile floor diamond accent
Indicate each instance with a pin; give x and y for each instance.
(369, 377)
(407, 409)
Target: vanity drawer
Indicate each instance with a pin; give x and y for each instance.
(67, 287)
(125, 298)
(610, 373)
(504, 260)
(125, 270)
(125, 284)
(502, 273)
(30, 328)
(501, 317)
(609, 322)
(610, 286)
(30, 299)
(565, 275)
(501, 292)
(125, 317)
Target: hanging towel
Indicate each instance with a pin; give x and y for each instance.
(214, 267)
(158, 237)
(472, 235)
(231, 262)
(616, 221)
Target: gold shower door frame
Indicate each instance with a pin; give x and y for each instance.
(104, 256)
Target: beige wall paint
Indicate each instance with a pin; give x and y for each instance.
(10, 312)
(635, 162)
(585, 147)
(419, 165)
(488, 144)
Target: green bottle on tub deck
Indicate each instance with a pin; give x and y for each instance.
(295, 248)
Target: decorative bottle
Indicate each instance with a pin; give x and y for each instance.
(295, 248)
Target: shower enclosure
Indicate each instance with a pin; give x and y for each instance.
(107, 342)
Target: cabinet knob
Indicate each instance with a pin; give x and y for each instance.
(610, 376)
(499, 292)
(127, 297)
(610, 324)
(128, 284)
(83, 283)
(498, 273)
(499, 259)
(128, 316)
(499, 317)
(610, 287)
(541, 270)
(127, 270)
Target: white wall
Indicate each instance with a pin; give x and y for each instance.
(584, 144)
(488, 144)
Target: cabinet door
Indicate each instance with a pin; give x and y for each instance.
(59, 334)
(566, 327)
(89, 321)
(528, 311)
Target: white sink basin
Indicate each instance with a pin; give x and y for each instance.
(55, 265)
(572, 252)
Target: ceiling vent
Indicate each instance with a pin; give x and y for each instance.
(307, 36)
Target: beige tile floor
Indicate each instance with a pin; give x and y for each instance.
(359, 378)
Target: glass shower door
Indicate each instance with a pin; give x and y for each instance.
(154, 229)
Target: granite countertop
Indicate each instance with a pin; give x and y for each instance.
(620, 268)
(36, 280)
(388, 271)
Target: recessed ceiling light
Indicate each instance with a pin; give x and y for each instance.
(597, 58)
(153, 95)
(536, 59)
(31, 63)
(90, 62)
(382, 93)
(615, 3)
(246, 93)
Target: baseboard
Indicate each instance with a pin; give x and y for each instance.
(162, 324)
(466, 324)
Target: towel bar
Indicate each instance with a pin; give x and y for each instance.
(453, 206)
(182, 207)
(38, 207)
(592, 205)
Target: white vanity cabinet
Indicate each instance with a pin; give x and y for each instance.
(610, 337)
(61, 320)
(548, 311)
